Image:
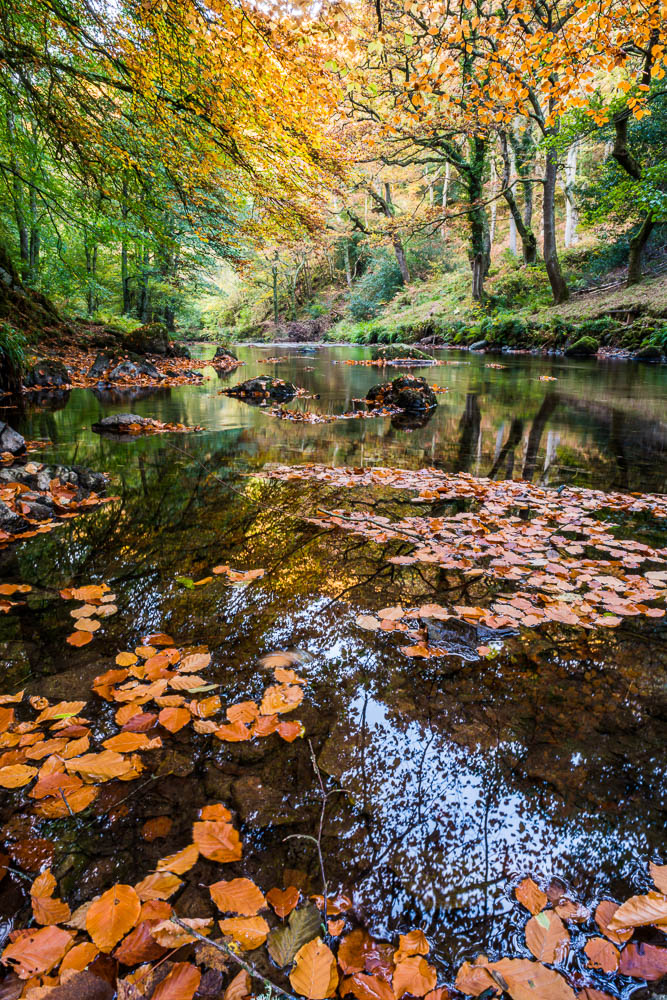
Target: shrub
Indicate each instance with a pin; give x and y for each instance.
(12, 358)
(378, 286)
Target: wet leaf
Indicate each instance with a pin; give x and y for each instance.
(413, 943)
(602, 954)
(139, 946)
(248, 932)
(638, 911)
(281, 698)
(644, 961)
(284, 942)
(159, 885)
(180, 862)
(215, 811)
(569, 910)
(283, 901)
(235, 732)
(157, 828)
(79, 638)
(604, 912)
(243, 711)
(314, 974)
(290, 731)
(79, 957)
(239, 988)
(474, 979)
(194, 662)
(415, 976)
(16, 775)
(172, 935)
(527, 980)
(37, 952)
(100, 766)
(126, 659)
(111, 916)
(531, 896)
(367, 987)
(353, 950)
(174, 719)
(218, 841)
(180, 983)
(240, 895)
(659, 876)
(547, 938)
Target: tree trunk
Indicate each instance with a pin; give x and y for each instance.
(571, 214)
(346, 258)
(124, 275)
(494, 203)
(445, 197)
(274, 276)
(479, 254)
(401, 258)
(637, 244)
(557, 281)
(517, 221)
(35, 239)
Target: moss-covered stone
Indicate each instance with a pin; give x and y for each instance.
(584, 347)
(407, 392)
(392, 352)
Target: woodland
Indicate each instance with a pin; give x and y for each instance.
(333, 499)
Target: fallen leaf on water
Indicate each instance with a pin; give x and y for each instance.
(172, 935)
(283, 901)
(644, 961)
(156, 828)
(37, 952)
(412, 943)
(139, 946)
(110, 917)
(174, 719)
(218, 841)
(159, 885)
(180, 862)
(281, 698)
(240, 895)
(415, 976)
(79, 957)
(239, 988)
(640, 910)
(314, 974)
(531, 896)
(604, 912)
(547, 938)
(16, 775)
(215, 811)
(284, 942)
(79, 638)
(290, 731)
(659, 876)
(367, 987)
(248, 932)
(353, 950)
(602, 954)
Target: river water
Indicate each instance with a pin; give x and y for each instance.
(457, 777)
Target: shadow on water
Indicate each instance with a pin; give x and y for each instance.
(458, 775)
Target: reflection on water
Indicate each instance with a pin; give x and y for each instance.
(458, 776)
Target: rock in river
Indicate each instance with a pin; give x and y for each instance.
(262, 387)
(11, 440)
(407, 392)
(46, 372)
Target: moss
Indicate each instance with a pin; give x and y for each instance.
(583, 347)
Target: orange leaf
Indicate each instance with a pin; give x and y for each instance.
(156, 828)
(218, 841)
(102, 766)
(240, 987)
(215, 811)
(172, 935)
(174, 719)
(413, 943)
(283, 901)
(112, 915)
(159, 885)
(604, 912)
(240, 895)
(49, 911)
(645, 961)
(79, 638)
(414, 975)
(290, 731)
(180, 862)
(139, 946)
(243, 711)
(639, 911)
(16, 775)
(353, 950)
(547, 938)
(530, 895)
(235, 732)
(367, 987)
(314, 974)
(37, 952)
(180, 984)
(248, 932)
(78, 957)
(281, 698)
(127, 742)
(659, 876)
(601, 954)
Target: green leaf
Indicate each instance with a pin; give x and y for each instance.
(284, 942)
(185, 581)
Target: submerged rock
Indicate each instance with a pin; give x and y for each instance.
(11, 440)
(585, 347)
(262, 387)
(46, 372)
(650, 355)
(407, 392)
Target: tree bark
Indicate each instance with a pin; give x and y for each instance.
(346, 258)
(274, 277)
(528, 239)
(571, 214)
(557, 281)
(445, 196)
(637, 244)
(480, 255)
(124, 275)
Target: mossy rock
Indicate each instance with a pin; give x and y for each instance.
(47, 372)
(153, 338)
(256, 390)
(584, 347)
(650, 354)
(392, 352)
(407, 392)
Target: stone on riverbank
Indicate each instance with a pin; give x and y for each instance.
(262, 387)
(46, 372)
(11, 440)
(650, 355)
(393, 352)
(407, 392)
(585, 347)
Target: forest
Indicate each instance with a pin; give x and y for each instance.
(333, 499)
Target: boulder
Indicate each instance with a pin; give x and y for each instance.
(407, 392)
(394, 352)
(11, 522)
(585, 347)
(152, 338)
(11, 440)
(102, 363)
(650, 354)
(47, 373)
(118, 422)
(178, 350)
(134, 369)
(262, 387)
(223, 354)
(479, 345)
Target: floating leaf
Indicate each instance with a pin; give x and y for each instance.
(413, 943)
(367, 987)
(240, 895)
(243, 711)
(240, 987)
(283, 901)
(79, 638)
(353, 950)
(79, 957)
(281, 698)
(604, 912)
(156, 828)
(174, 719)
(547, 938)
(112, 915)
(172, 935)
(314, 974)
(644, 961)
(659, 876)
(415, 976)
(639, 910)
(159, 885)
(531, 896)
(218, 841)
(180, 862)
(16, 775)
(602, 954)
(248, 932)
(139, 946)
(37, 951)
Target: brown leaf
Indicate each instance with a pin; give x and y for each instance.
(415, 976)
(16, 775)
(569, 910)
(174, 719)
(644, 961)
(218, 841)
(283, 901)
(314, 974)
(659, 876)
(639, 911)
(547, 938)
(281, 698)
(239, 988)
(79, 957)
(602, 954)
(353, 950)
(412, 943)
(180, 983)
(138, 946)
(111, 916)
(367, 987)
(156, 828)
(604, 912)
(37, 952)
(248, 932)
(527, 980)
(474, 979)
(531, 896)
(172, 935)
